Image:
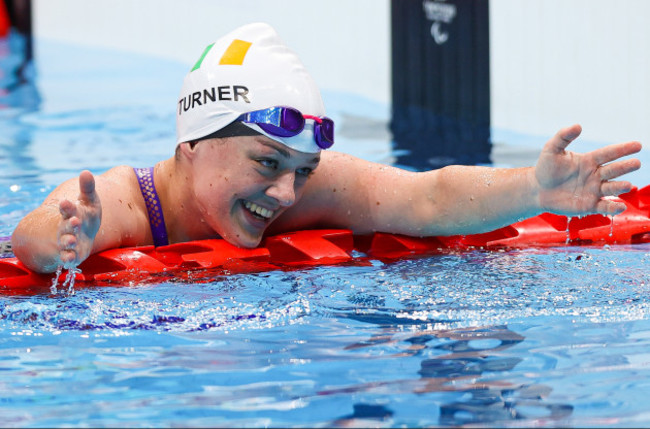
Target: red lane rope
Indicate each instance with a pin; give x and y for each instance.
(198, 260)
(5, 24)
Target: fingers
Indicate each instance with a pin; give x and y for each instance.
(563, 138)
(68, 252)
(80, 221)
(68, 258)
(67, 209)
(87, 194)
(615, 151)
(87, 187)
(68, 232)
(610, 207)
(612, 189)
(617, 169)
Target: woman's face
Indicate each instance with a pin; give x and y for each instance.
(242, 184)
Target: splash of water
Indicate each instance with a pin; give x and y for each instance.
(55, 280)
(68, 282)
(568, 232)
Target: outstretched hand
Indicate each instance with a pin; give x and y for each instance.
(80, 222)
(574, 183)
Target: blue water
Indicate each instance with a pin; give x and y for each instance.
(552, 337)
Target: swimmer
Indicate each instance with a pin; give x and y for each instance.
(253, 157)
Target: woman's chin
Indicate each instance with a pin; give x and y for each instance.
(244, 240)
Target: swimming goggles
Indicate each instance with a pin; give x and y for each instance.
(289, 122)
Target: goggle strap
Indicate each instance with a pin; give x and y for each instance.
(314, 118)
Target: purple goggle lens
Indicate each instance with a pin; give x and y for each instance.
(289, 122)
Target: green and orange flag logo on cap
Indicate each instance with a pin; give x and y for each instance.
(233, 56)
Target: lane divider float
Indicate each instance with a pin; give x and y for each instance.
(5, 23)
(202, 260)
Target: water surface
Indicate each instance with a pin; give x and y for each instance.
(532, 337)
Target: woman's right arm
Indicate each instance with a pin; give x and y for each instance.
(74, 222)
(61, 232)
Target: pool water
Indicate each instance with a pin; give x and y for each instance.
(529, 337)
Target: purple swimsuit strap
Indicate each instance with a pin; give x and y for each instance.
(154, 209)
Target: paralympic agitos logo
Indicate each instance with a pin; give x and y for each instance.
(219, 93)
(439, 12)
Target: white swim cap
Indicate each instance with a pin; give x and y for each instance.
(248, 69)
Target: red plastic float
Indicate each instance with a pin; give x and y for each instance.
(5, 24)
(205, 259)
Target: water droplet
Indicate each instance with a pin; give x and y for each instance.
(55, 280)
(68, 282)
(611, 226)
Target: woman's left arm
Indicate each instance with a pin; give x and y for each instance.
(347, 192)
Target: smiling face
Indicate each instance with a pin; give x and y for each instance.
(241, 184)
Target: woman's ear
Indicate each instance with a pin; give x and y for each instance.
(187, 149)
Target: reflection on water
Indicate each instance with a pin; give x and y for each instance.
(18, 96)
(472, 362)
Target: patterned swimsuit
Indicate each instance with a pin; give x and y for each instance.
(154, 209)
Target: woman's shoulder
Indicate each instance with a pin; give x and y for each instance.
(122, 177)
(120, 171)
(120, 182)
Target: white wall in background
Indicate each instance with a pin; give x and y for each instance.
(553, 62)
(558, 62)
(344, 44)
